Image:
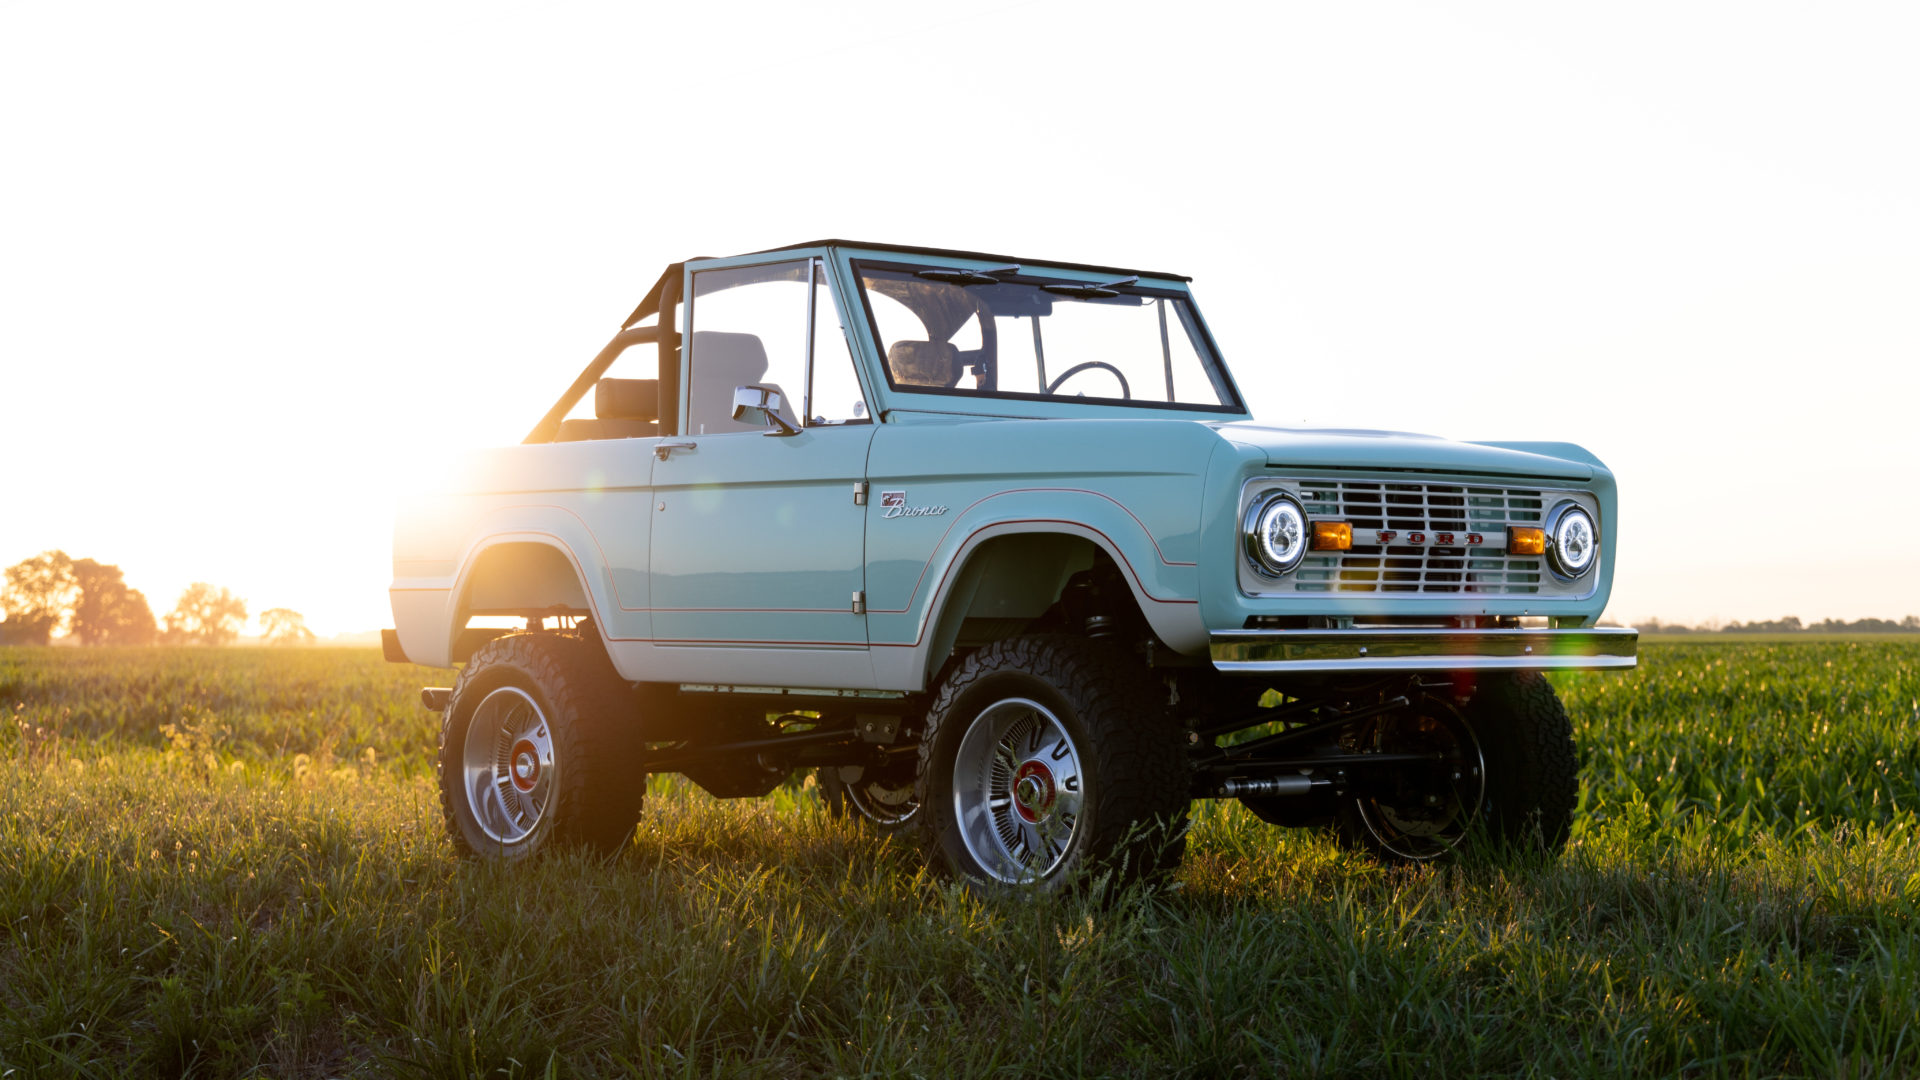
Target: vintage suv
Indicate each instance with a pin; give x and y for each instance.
(996, 546)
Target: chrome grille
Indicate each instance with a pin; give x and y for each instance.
(1374, 506)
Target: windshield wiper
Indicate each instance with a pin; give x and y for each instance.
(1091, 291)
(968, 277)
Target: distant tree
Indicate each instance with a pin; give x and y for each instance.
(106, 612)
(284, 626)
(1791, 624)
(1788, 625)
(38, 594)
(1866, 626)
(206, 615)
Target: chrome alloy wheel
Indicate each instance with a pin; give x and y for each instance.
(1018, 790)
(507, 765)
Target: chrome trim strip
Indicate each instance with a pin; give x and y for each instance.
(1424, 650)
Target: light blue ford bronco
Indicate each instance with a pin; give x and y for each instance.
(995, 546)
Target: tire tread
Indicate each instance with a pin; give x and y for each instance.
(1528, 736)
(1136, 748)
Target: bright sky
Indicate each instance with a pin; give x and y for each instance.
(258, 260)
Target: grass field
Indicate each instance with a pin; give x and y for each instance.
(263, 889)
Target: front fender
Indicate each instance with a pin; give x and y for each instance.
(904, 635)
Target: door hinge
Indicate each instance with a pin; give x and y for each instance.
(860, 493)
(860, 602)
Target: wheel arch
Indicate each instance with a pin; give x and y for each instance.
(521, 573)
(514, 575)
(1012, 577)
(1011, 573)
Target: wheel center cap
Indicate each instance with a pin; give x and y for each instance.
(1033, 791)
(526, 765)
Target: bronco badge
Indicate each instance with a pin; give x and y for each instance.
(893, 504)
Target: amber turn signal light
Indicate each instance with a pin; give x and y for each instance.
(1332, 536)
(1525, 540)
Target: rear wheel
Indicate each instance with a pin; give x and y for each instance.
(884, 799)
(537, 750)
(1047, 756)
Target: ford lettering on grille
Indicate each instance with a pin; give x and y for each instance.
(1417, 538)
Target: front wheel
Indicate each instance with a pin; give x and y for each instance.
(1046, 756)
(1533, 766)
(1503, 766)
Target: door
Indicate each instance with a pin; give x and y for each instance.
(758, 541)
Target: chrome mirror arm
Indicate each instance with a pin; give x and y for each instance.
(761, 405)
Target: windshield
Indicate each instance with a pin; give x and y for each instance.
(1010, 333)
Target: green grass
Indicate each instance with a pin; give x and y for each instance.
(255, 894)
(1792, 637)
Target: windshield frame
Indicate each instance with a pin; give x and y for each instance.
(1202, 338)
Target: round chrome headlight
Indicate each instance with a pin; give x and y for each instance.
(1276, 528)
(1572, 541)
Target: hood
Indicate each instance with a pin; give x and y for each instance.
(1310, 448)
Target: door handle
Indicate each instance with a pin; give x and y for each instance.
(662, 449)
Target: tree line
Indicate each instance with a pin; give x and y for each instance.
(91, 602)
(1791, 624)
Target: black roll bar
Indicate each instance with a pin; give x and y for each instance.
(660, 300)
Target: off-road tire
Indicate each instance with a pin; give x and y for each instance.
(1533, 768)
(1525, 742)
(1134, 811)
(598, 783)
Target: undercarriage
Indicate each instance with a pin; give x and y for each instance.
(1033, 753)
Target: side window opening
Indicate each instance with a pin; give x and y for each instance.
(749, 329)
(833, 394)
(774, 325)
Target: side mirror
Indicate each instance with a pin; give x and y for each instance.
(760, 406)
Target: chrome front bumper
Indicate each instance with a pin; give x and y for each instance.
(1389, 649)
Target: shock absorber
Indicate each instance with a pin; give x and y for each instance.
(1263, 786)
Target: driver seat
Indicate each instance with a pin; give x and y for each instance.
(924, 363)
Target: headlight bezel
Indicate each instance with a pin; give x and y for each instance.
(1253, 532)
(1564, 513)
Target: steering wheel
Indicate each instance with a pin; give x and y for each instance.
(1126, 391)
